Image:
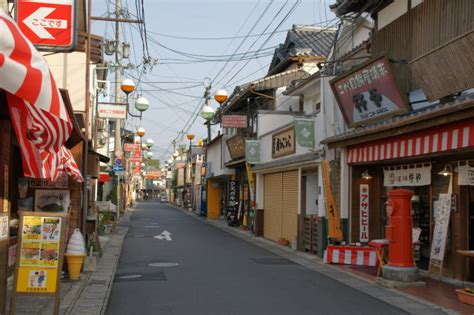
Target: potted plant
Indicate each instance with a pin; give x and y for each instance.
(465, 296)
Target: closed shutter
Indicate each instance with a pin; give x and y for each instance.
(272, 206)
(290, 205)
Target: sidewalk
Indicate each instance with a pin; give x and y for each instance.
(415, 300)
(90, 294)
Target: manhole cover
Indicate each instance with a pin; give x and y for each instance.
(163, 264)
(130, 276)
(272, 261)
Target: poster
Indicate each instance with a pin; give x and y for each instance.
(39, 254)
(52, 200)
(4, 227)
(465, 175)
(442, 213)
(364, 213)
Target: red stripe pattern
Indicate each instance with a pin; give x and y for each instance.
(38, 114)
(438, 139)
(350, 255)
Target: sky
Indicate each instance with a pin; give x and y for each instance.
(193, 40)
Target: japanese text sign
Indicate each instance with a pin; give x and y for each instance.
(364, 213)
(368, 93)
(236, 146)
(48, 24)
(283, 143)
(234, 121)
(129, 147)
(410, 176)
(112, 111)
(442, 213)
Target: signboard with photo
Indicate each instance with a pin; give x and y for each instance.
(39, 258)
(369, 93)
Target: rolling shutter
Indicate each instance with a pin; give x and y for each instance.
(290, 205)
(273, 206)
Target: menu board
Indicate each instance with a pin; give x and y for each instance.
(39, 255)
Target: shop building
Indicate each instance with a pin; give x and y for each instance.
(410, 126)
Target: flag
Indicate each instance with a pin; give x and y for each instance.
(252, 151)
(38, 114)
(332, 214)
(305, 131)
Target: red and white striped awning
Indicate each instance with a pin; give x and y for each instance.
(438, 139)
(37, 111)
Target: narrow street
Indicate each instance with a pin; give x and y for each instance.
(212, 272)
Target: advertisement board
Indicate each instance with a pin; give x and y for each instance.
(112, 111)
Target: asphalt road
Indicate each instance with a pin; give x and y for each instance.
(217, 273)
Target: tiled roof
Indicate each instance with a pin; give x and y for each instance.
(461, 102)
(342, 7)
(304, 41)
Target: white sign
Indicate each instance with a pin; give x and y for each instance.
(416, 176)
(364, 213)
(442, 213)
(112, 111)
(4, 227)
(165, 235)
(465, 175)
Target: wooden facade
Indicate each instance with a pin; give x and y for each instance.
(421, 30)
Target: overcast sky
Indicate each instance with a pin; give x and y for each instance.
(188, 38)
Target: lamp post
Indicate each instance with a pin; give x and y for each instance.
(208, 112)
(141, 103)
(149, 143)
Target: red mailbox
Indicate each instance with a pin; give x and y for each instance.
(399, 228)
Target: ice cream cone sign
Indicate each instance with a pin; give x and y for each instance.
(75, 253)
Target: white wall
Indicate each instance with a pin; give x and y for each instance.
(284, 102)
(311, 194)
(391, 12)
(216, 158)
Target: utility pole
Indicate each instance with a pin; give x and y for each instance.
(118, 79)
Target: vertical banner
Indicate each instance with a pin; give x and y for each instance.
(305, 132)
(442, 213)
(252, 151)
(334, 229)
(364, 213)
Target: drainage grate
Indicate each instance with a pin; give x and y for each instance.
(155, 276)
(272, 261)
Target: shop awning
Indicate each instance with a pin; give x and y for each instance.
(433, 140)
(39, 117)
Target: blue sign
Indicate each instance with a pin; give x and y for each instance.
(118, 161)
(118, 168)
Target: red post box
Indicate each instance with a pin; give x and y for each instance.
(399, 228)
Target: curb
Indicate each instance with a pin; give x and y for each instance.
(393, 297)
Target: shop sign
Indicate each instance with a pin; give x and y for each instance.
(369, 93)
(39, 256)
(465, 175)
(236, 146)
(49, 25)
(153, 174)
(129, 147)
(136, 159)
(112, 111)
(305, 131)
(4, 226)
(407, 176)
(62, 182)
(441, 213)
(252, 151)
(104, 178)
(364, 213)
(234, 121)
(283, 143)
(233, 199)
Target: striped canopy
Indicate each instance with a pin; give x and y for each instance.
(37, 111)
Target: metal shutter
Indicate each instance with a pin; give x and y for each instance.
(272, 206)
(290, 205)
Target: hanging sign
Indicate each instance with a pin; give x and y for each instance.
(112, 111)
(442, 213)
(408, 176)
(465, 175)
(129, 147)
(252, 151)
(364, 213)
(283, 143)
(40, 253)
(234, 121)
(236, 146)
(369, 93)
(233, 198)
(48, 24)
(305, 131)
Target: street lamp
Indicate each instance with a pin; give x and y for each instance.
(144, 147)
(149, 143)
(141, 104)
(127, 86)
(221, 96)
(149, 154)
(140, 132)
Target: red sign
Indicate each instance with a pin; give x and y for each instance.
(153, 174)
(364, 213)
(46, 23)
(234, 121)
(104, 178)
(136, 158)
(128, 147)
(368, 93)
